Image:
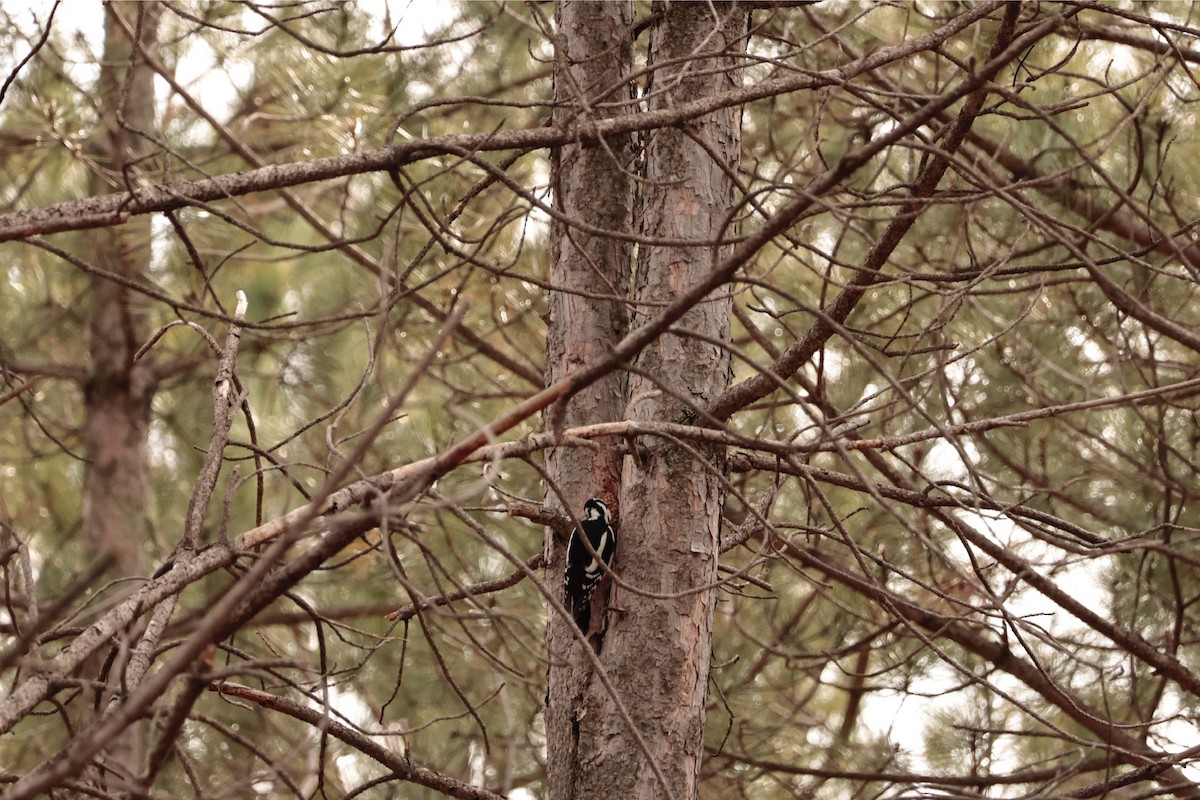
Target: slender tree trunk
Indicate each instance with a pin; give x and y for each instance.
(587, 316)
(118, 392)
(657, 651)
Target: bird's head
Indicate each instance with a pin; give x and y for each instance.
(595, 509)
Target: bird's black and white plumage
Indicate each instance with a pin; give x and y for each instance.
(584, 570)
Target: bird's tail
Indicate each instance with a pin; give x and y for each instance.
(583, 615)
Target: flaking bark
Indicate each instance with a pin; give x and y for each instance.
(587, 317)
(658, 650)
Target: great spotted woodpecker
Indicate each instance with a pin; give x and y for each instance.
(584, 569)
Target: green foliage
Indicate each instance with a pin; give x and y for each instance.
(985, 312)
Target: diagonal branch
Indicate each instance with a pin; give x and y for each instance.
(116, 209)
(1123, 746)
(798, 354)
(403, 766)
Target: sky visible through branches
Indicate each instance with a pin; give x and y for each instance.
(873, 324)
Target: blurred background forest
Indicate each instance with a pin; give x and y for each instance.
(960, 551)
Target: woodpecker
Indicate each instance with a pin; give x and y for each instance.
(584, 569)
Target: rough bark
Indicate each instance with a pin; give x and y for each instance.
(587, 316)
(657, 650)
(117, 392)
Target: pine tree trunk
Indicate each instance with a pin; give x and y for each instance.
(587, 316)
(657, 651)
(118, 392)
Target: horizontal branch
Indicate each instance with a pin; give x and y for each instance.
(1023, 776)
(400, 764)
(358, 492)
(745, 462)
(115, 209)
(474, 590)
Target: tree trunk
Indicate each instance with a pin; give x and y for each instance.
(117, 394)
(587, 316)
(118, 391)
(657, 651)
